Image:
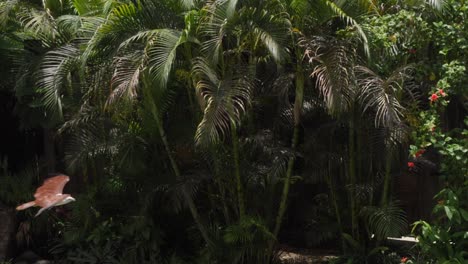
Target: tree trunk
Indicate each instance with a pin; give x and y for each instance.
(7, 230)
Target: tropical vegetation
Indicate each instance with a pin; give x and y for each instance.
(217, 131)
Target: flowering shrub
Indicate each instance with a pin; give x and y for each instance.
(447, 239)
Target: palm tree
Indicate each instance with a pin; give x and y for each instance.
(334, 61)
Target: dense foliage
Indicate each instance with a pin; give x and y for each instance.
(213, 131)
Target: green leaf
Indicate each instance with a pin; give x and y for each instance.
(464, 214)
(448, 212)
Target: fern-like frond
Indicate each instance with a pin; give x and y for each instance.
(350, 21)
(334, 75)
(220, 19)
(123, 22)
(382, 94)
(272, 30)
(437, 4)
(225, 97)
(54, 76)
(386, 221)
(162, 54)
(126, 76)
(86, 116)
(7, 9)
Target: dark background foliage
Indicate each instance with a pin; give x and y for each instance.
(228, 131)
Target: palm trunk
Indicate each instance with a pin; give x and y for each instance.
(155, 112)
(175, 168)
(287, 181)
(240, 191)
(386, 187)
(221, 188)
(352, 176)
(334, 198)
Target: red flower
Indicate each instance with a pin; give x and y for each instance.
(441, 92)
(410, 164)
(433, 128)
(412, 51)
(419, 152)
(404, 259)
(434, 97)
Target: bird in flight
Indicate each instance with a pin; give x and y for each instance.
(49, 194)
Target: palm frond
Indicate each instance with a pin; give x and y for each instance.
(125, 78)
(123, 22)
(247, 241)
(301, 7)
(92, 7)
(6, 11)
(386, 221)
(54, 76)
(221, 18)
(382, 94)
(273, 30)
(38, 24)
(162, 53)
(437, 4)
(334, 75)
(350, 21)
(86, 116)
(87, 151)
(225, 99)
(156, 98)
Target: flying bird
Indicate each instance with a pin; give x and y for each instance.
(49, 194)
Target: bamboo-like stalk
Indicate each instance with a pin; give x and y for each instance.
(287, 181)
(336, 207)
(235, 152)
(352, 175)
(175, 168)
(222, 191)
(386, 187)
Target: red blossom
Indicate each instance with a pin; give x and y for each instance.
(412, 51)
(434, 97)
(433, 128)
(410, 164)
(441, 92)
(419, 152)
(404, 259)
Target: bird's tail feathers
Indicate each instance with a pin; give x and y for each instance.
(26, 205)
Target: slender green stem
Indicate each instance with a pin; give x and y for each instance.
(334, 198)
(352, 176)
(222, 190)
(386, 187)
(193, 209)
(188, 198)
(240, 191)
(287, 181)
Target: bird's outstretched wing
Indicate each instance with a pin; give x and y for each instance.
(47, 201)
(52, 186)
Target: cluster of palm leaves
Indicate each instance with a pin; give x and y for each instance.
(218, 109)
